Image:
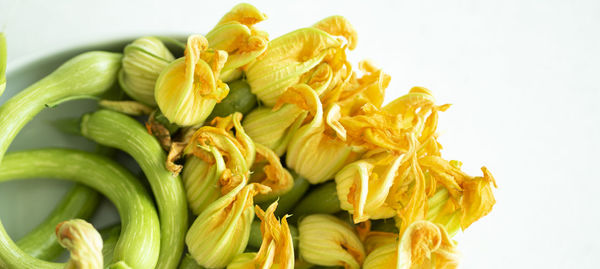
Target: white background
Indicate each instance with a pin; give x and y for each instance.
(523, 78)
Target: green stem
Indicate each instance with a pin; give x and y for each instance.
(90, 73)
(139, 241)
(110, 238)
(189, 263)
(288, 200)
(320, 200)
(175, 46)
(79, 203)
(239, 99)
(116, 130)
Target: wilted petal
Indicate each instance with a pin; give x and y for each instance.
(276, 250)
(339, 26)
(269, 171)
(478, 198)
(426, 245)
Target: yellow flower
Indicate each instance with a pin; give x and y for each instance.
(188, 89)
(463, 199)
(363, 186)
(426, 245)
(221, 231)
(236, 35)
(310, 145)
(274, 127)
(325, 240)
(220, 161)
(84, 243)
(143, 61)
(276, 250)
(385, 256)
(201, 180)
(308, 55)
(267, 170)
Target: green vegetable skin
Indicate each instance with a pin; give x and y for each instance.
(79, 203)
(320, 200)
(138, 245)
(90, 73)
(189, 263)
(110, 238)
(288, 200)
(239, 99)
(117, 130)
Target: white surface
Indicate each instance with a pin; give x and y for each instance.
(523, 77)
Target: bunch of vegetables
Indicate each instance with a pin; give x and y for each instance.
(259, 154)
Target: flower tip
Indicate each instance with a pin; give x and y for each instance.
(83, 241)
(339, 26)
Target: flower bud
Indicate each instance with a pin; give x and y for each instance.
(426, 245)
(84, 243)
(188, 89)
(220, 161)
(274, 128)
(363, 186)
(143, 61)
(201, 180)
(236, 35)
(328, 241)
(295, 58)
(221, 231)
(384, 256)
(312, 153)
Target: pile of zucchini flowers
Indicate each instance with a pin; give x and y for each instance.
(258, 153)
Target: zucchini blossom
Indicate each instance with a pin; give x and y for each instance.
(363, 186)
(84, 243)
(276, 250)
(328, 241)
(236, 35)
(384, 256)
(221, 231)
(462, 199)
(219, 161)
(426, 245)
(312, 55)
(143, 61)
(381, 247)
(311, 152)
(274, 127)
(403, 169)
(188, 88)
